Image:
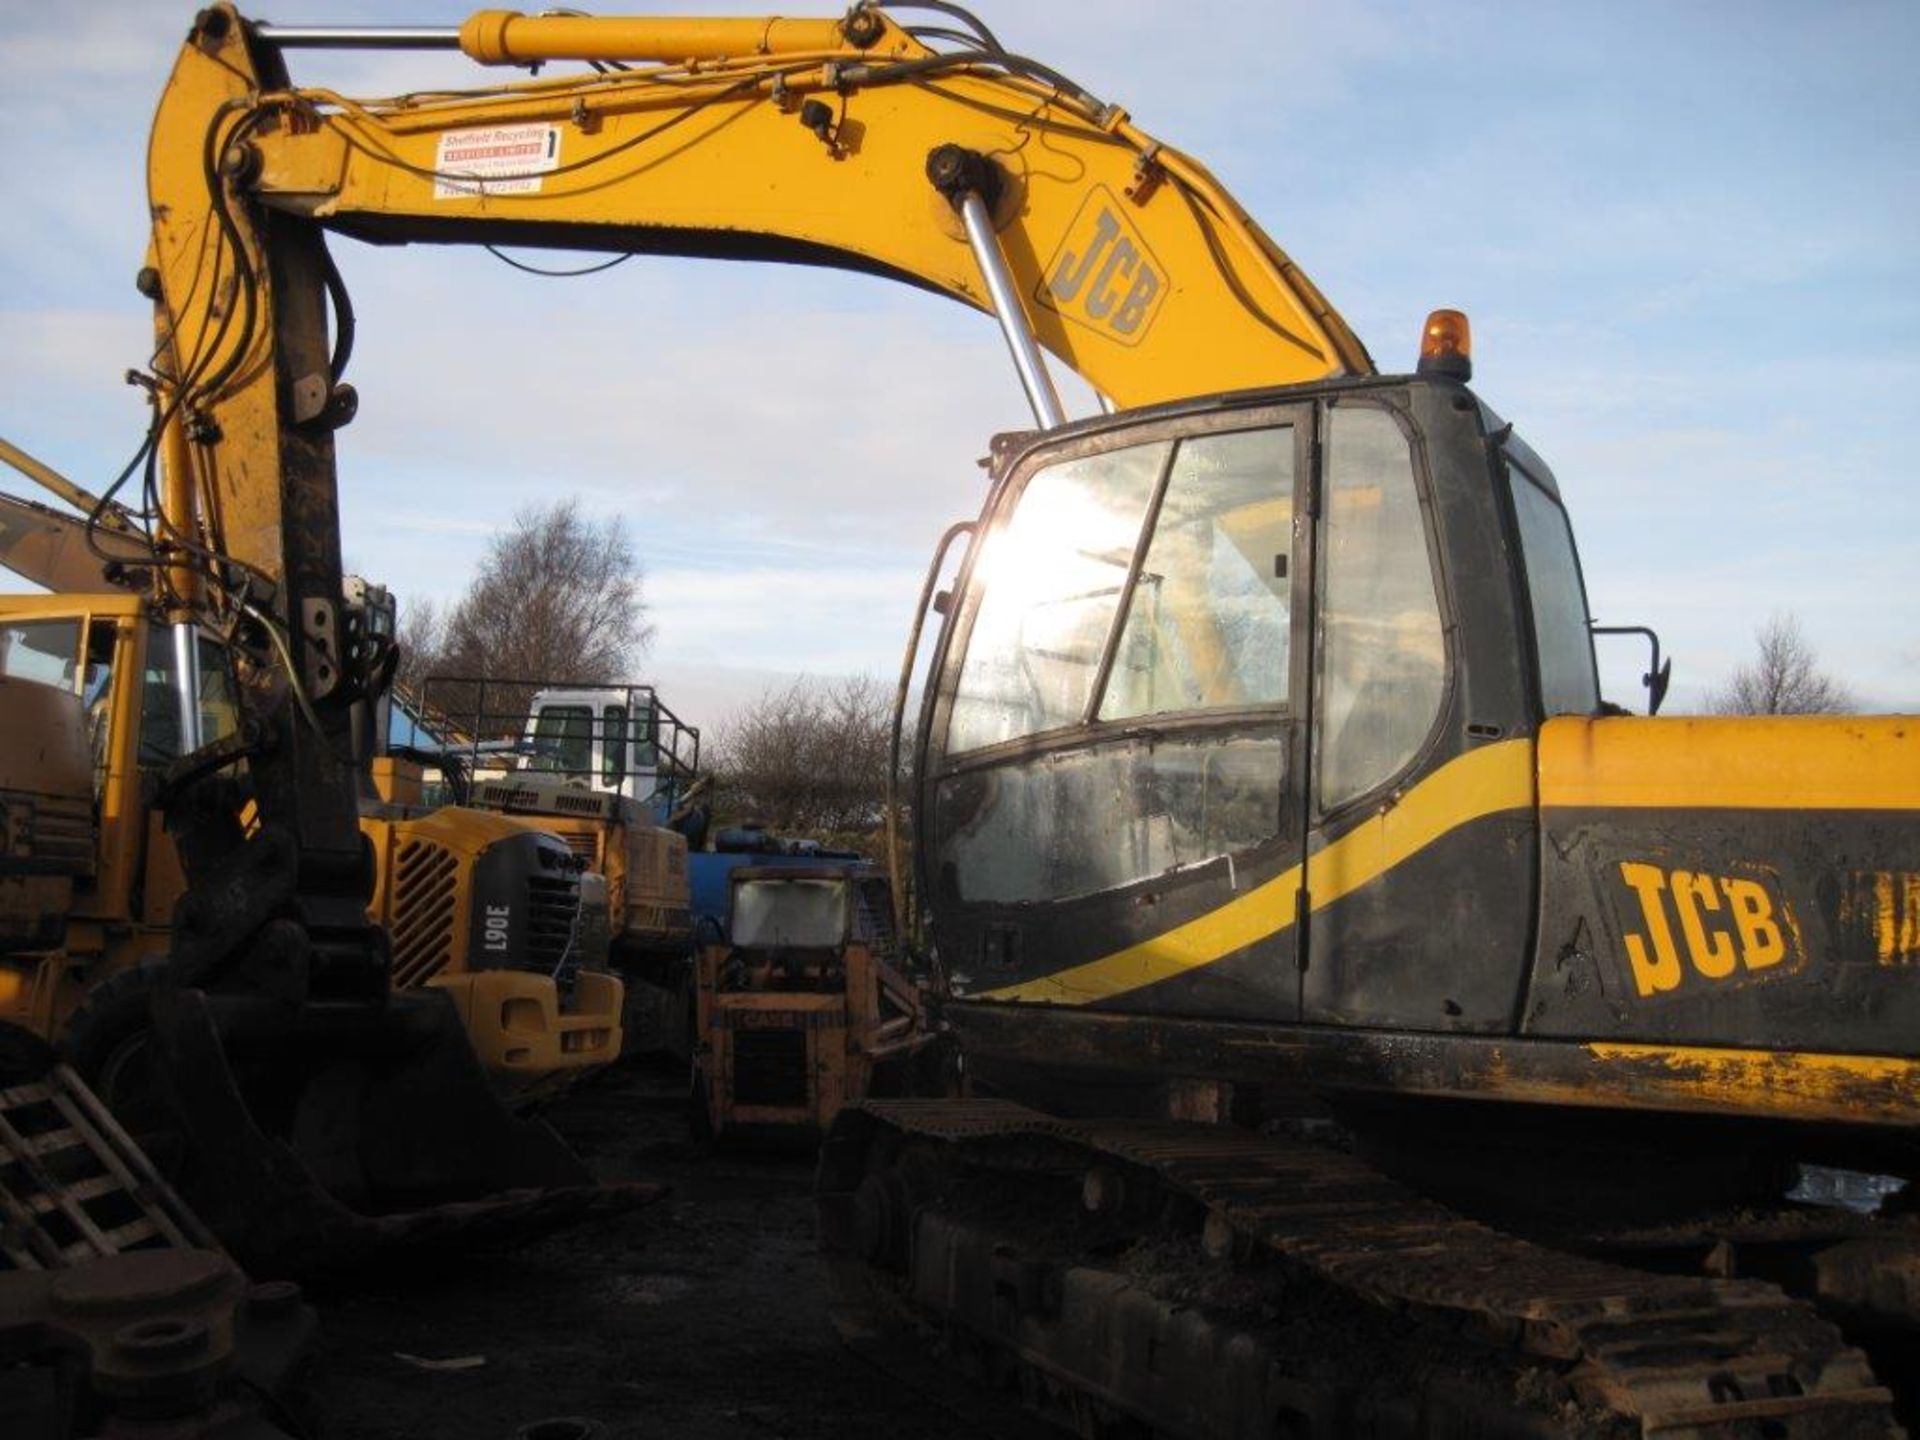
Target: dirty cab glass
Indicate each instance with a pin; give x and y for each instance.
(789, 914)
(1084, 820)
(1569, 681)
(1382, 658)
(42, 650)
(1207, 625)
(1051, 580)
(1205, 629)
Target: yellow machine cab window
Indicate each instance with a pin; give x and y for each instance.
(43, 650)
(160, 705)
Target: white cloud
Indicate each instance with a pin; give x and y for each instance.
(823, 621)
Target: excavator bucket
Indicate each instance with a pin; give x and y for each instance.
(317, 1140)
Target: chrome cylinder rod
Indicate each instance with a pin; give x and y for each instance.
(186, 682)
(1025, 350)
(360, 37)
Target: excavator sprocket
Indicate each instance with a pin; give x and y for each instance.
(1318, 1296)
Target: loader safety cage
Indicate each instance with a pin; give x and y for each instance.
(621, 739)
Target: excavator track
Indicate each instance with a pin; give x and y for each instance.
(1624, 1351)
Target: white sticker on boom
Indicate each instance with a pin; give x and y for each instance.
(494, 160)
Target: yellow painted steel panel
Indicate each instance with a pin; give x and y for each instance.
(1778, 762)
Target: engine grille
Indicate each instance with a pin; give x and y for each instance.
(423, 903)
(63, 831)
(553, 912)
(769, 1067)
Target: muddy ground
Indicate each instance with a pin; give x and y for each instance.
(702, 1316)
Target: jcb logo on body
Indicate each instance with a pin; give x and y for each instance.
(1714, 928)
(1103, 276)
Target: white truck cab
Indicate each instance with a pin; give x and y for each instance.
(617, 739)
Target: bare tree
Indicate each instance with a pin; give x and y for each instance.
(422, 637)
(1784, 679)
(808, 760)
(557, 598)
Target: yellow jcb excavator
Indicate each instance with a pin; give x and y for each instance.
(1262, 779)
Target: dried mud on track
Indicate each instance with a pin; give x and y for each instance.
(702, 1316)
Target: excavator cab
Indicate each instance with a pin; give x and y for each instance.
(1280, 709)
(1193, 642)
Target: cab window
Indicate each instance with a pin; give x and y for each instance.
(1207, 625)
(44, 650)
(1562, 637)
(1052, 579)
(790, 914)
(646, 735)
(563, 739)
(1382, 655)
(1165, 567)
(613, 745)
(160, 740)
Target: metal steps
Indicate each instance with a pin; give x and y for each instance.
(75, 1187)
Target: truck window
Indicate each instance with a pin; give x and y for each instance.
(1051, 581)
(44, 650)
(613, 745)
(1562, 639)
(1207, 625)
(563, 740)
(1382, 655)
(646, 736)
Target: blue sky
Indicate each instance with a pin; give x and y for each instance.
(1688, 236)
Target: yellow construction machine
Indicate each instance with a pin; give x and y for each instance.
(1262, 774)
(497, 917)
(611, 770)
(498, 914)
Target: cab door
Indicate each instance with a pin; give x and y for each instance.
(1109, 753)
(1418, 787)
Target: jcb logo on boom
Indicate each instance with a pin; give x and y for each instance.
(1103, 275)
(1730, 928)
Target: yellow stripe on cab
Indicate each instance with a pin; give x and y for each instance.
(1488, 781)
